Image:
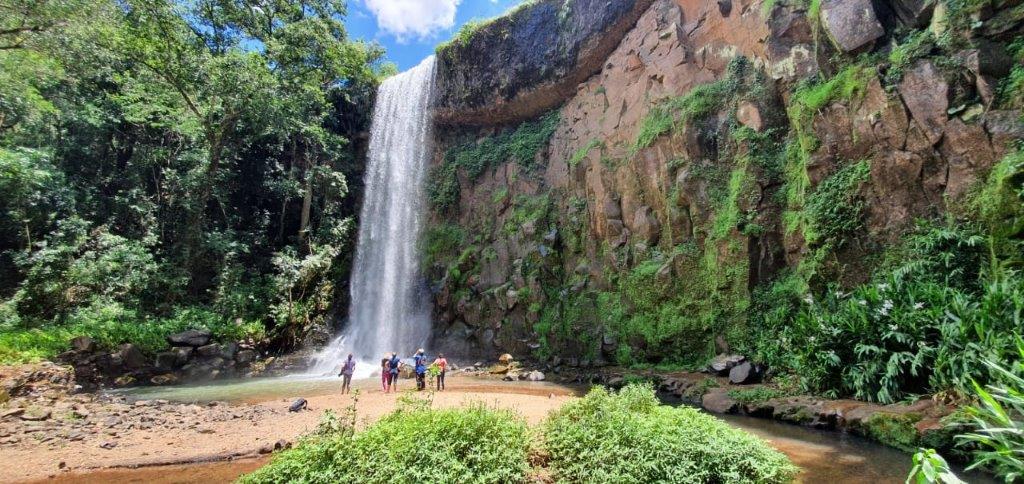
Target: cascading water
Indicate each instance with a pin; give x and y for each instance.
(390, 309)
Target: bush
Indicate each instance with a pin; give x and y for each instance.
(998, 420)
(111, 325)
(475, 444)
(630, 437)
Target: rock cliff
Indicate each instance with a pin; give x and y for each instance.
(628, 174)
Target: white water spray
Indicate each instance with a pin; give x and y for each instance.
(390, 309)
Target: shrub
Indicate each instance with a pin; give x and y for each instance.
(998, 420)
(836, 209)
(931, 468)
(630, 437)
(475, 444)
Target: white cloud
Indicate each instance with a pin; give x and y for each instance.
(413, 18)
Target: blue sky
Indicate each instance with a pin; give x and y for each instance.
(410, 29)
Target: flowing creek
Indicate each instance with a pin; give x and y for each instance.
(824, 456)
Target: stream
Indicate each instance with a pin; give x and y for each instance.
(824, 456)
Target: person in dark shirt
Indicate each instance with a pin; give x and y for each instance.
(421, 369)
(393, 365)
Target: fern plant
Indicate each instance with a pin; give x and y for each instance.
(998, 419)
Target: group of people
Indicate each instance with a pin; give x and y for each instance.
(389, 369)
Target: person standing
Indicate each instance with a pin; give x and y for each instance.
(393, 365)
(421, 369)
(346, 373)
(442, 366)
(385, 373)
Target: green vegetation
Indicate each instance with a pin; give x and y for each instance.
(698, 103)
(521, 145)
(756, 395)
(474, 444)
(835, 209)
(584, 150)
(599, 438)
(468, 30)
(998, 419)
(931, 468)
(157, 172)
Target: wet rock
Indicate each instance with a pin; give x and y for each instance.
(124, 380)
(192, 337)
(745, 373)
(535, 376)
(851, 24)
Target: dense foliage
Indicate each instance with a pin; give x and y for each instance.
(474, 444)
(162, 159)
(630, 437)
(998, 419)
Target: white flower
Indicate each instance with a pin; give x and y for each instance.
(883, 312)
(839, 294)
(883, 287)
(809, 299)
(862, 302)
(919, 306)
(893, 327)
(887, 304)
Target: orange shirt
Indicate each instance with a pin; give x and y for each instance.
(441, 363)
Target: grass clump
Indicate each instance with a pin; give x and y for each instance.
(836, 208)
(629, 437)
(475, 444)
(582, 153)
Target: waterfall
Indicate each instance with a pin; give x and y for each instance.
(390, 309)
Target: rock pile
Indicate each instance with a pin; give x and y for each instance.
(193, 356)
(43, 410)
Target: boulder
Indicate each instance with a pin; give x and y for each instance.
(721, 364)
(926, 94)
(719, 401)
(245, 357)
(851, 24)
(166, 379)
(914, 13)
(84, 344)
(166, 361)
(209, 351)
(298, 405)
(505, 359)
(192, 337)
(535, 376)
(745, 373)
(132, 357)
(229, 350)
(182, 355)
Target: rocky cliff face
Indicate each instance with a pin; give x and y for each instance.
(717, 145)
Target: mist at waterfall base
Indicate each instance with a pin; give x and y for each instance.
(390, 308)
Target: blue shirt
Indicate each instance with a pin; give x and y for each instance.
(393, 365)
(421, 367)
